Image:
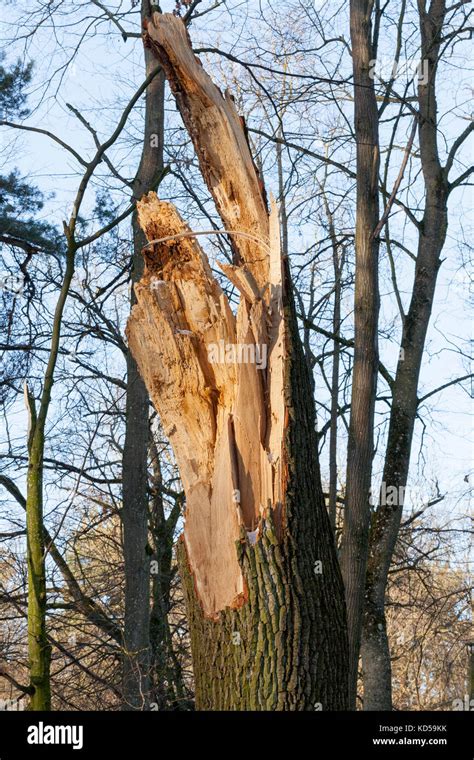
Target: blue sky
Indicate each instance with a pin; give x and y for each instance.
(99, 82)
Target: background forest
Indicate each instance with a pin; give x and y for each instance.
(352, 126)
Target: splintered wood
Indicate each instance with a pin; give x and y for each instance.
(215, 378)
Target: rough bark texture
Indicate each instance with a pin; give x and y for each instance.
(263, 588)
(366, 308)
(285, 649)
(136, 663)
(386, 519)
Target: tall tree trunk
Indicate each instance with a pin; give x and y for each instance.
(338, 264)
(258, 562)
(432, 235)
(168, 690)
(39, 648)
(366, 309)
(136, 665)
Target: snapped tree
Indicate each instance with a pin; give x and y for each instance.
(258, 562)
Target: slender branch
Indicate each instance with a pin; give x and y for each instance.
(106, 228)
(305, 151)
(349, 343)
(83, 603)
(25, 127)
(445, 385)
(20, 243)
(398, 181)
(113, 19)
(461, 178)
(456, 145)
(25, 689)
(95, 136)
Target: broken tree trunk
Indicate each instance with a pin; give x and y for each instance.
(259, 567)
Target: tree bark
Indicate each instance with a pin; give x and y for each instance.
(39, 648)
(386, 519)
(338, 264)
(366, 308)
(258, 562)
(135, 495)
(168, 690)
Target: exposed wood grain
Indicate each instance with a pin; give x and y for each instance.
(219, 413)
(215, 412)
(220, 140)
(266, 631)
